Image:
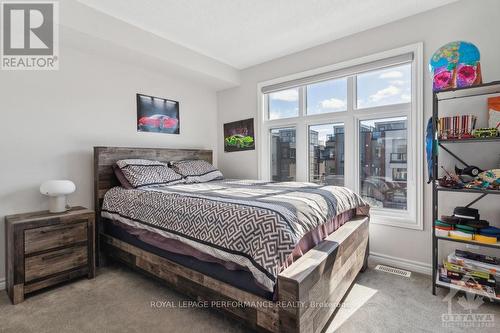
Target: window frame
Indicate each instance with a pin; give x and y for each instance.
(412, 218)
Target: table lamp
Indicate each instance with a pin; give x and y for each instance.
(57, 190)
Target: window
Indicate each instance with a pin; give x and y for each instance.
(379, 141)
(283, 154)
(327, 96)
(357, 124)
(326, 154)
(284, 104)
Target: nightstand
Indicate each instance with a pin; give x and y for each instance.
(44, 249)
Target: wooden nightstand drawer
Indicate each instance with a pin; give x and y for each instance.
(54, 262)
(44, 249)
(54, 236)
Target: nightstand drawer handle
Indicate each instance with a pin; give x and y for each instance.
(56, 229)
(56, 255)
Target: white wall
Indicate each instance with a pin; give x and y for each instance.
(475, 21)
(50, 122)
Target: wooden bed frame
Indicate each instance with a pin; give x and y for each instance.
(322, 276)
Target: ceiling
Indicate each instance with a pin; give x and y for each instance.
(243, 33)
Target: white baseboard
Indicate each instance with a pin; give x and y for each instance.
(410, 265)
(2, 284)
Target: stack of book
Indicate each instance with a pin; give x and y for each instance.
(476, 230)
(478, 272)
(456, 127)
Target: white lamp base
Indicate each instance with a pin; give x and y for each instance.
(57, 204)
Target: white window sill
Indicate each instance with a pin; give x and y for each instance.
(395, 220)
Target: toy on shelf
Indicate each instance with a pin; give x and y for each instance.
(490, 176)
(471, 177)
(456, 127)
(455, 65)
(450, 180)
(468, 173)
(485, 133)
(429, 148)
(489, 179)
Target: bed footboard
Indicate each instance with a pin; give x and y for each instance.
(317, 282)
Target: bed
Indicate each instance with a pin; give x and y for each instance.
(271, 263)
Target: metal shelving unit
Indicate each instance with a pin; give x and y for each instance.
(480, 90)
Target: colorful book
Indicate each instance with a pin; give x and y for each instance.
(474, 265)
(478, 257)
(466, 276)
(461, 269)
(468, 283)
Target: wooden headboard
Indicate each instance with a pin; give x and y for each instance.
(105, 157)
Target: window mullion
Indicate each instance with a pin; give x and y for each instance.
(351, 94)
(351, 178)
(302, 101)
(302, 144)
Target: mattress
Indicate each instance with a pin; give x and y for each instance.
(254, 226)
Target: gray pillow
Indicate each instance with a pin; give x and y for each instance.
(140, 173)
(196, 171)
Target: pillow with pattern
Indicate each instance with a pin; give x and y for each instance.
(140, 173)
(196, 171)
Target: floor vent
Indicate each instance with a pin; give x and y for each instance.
(392, 270)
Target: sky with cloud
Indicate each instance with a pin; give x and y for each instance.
(377, 88)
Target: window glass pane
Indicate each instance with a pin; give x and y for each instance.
(326, 154)
(327, 96)
(284, 104)
(384, 87)
(383, 170)
(283, 154)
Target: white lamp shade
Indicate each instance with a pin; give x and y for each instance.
(54, 188)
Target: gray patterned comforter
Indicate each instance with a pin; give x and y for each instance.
(252, 223)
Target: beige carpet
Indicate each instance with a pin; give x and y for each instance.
(119, 300)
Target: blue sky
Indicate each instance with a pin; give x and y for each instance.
(376, 88)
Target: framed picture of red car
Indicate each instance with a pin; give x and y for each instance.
(158, 115)
(239, 135)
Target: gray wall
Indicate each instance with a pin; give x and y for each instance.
(51, 120)
(474, 21)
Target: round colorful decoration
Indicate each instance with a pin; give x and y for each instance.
(455, 65)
